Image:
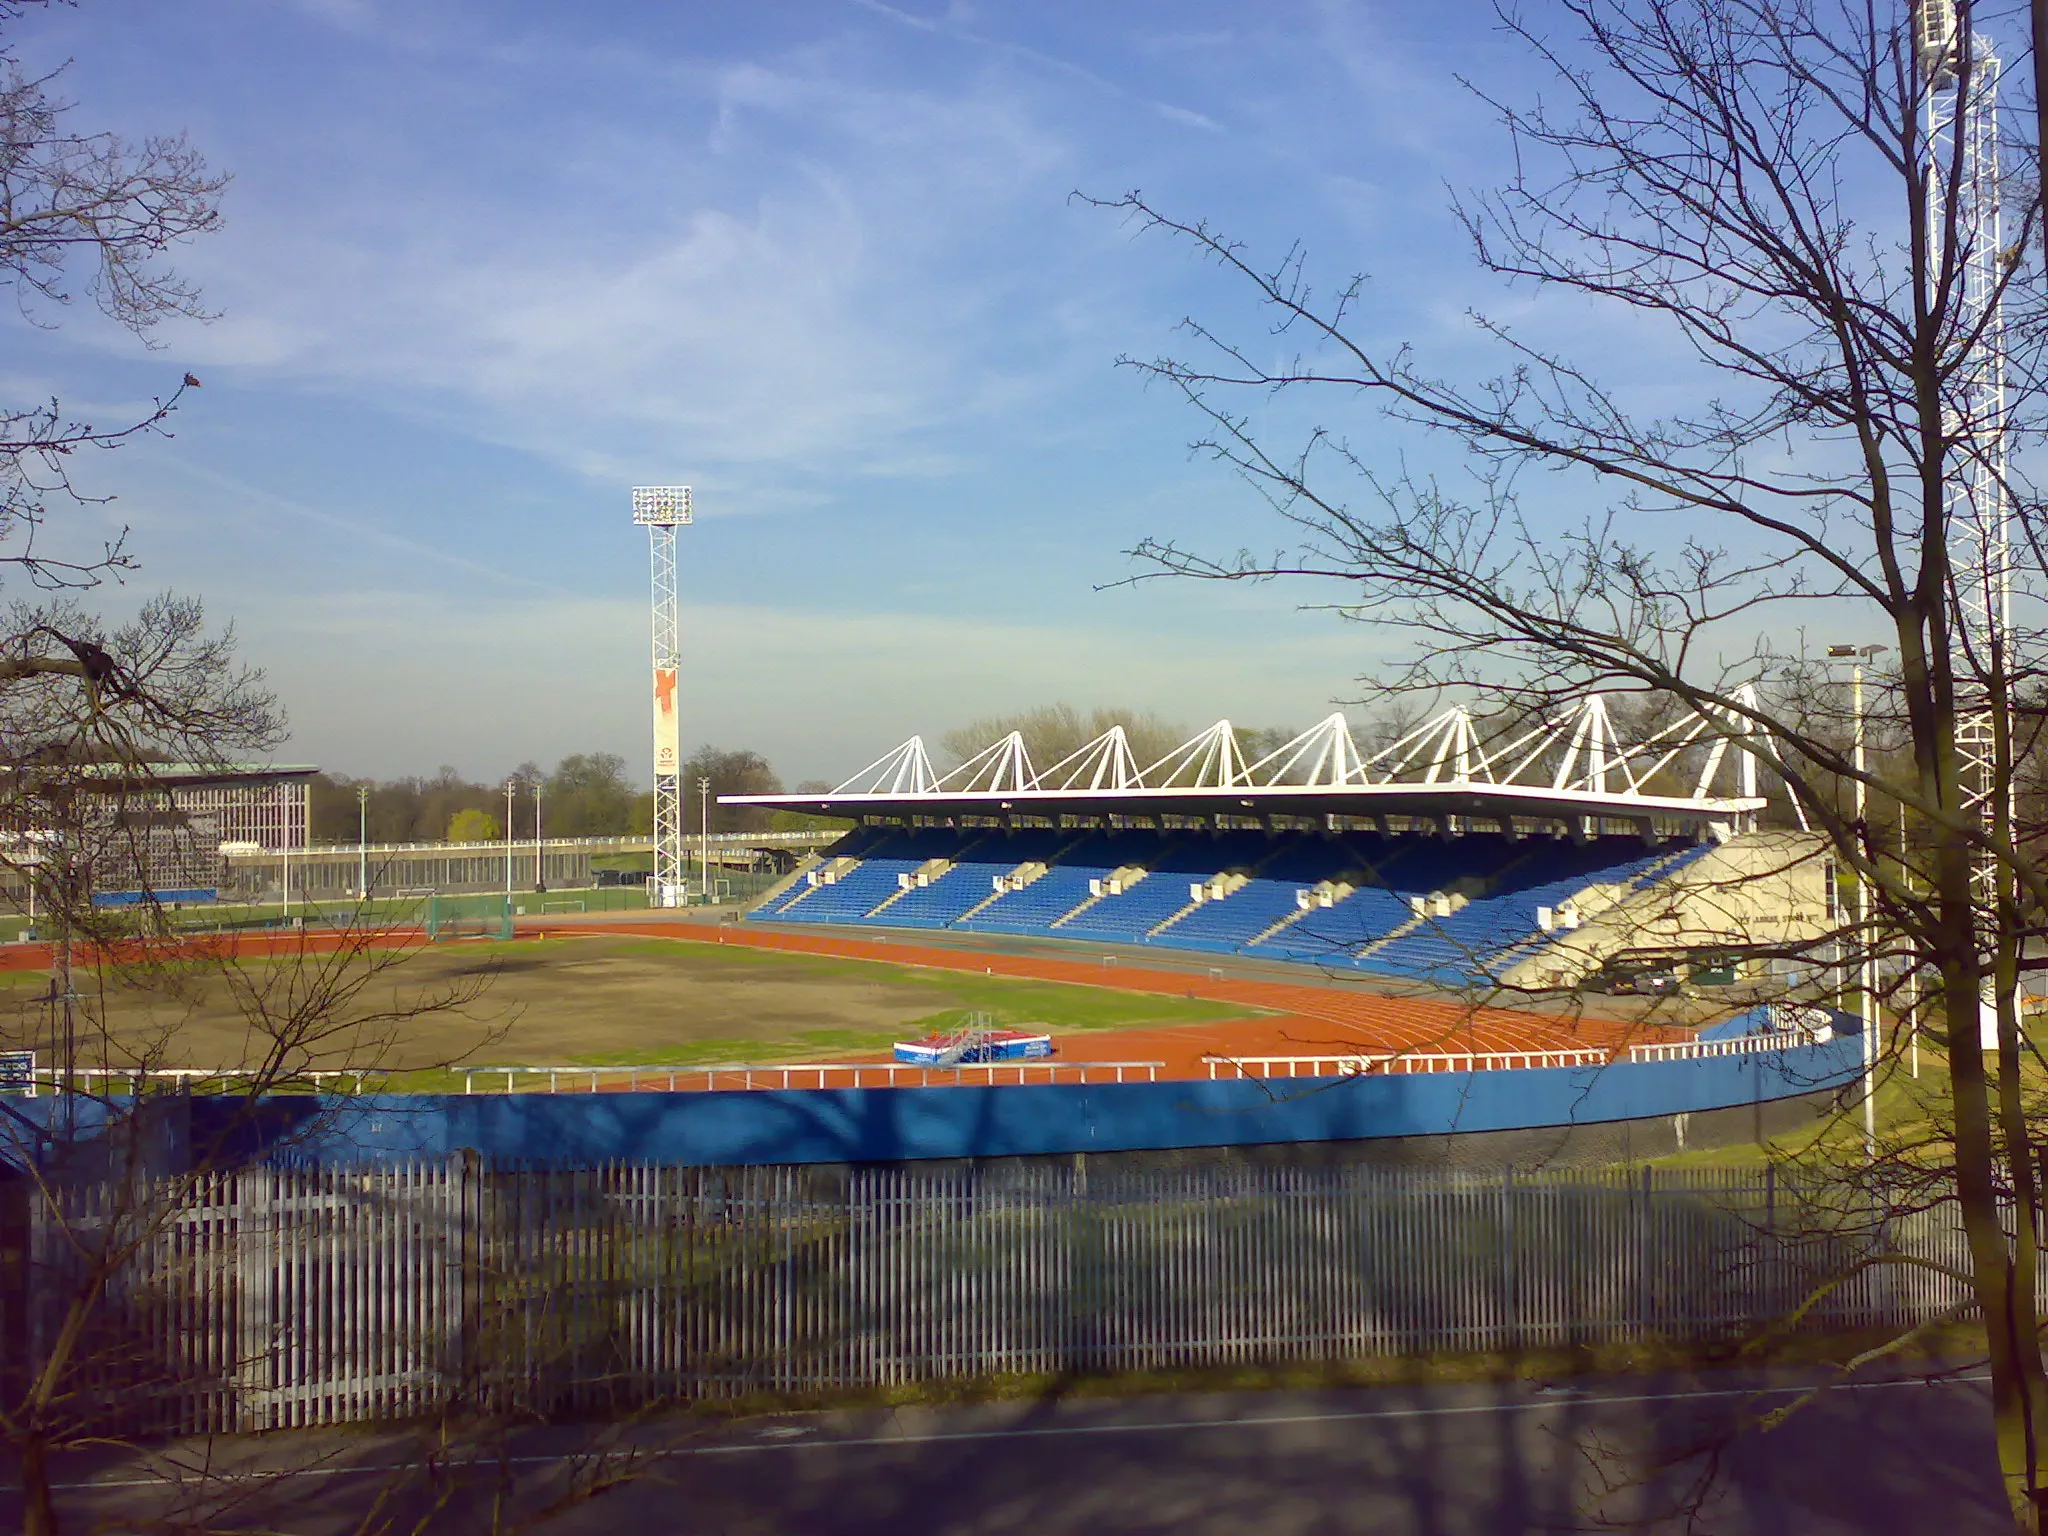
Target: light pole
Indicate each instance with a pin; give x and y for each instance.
(540, 880)
(661, 509)
(1867, 963)
(363, 842)
(704, 833)
(511, 787)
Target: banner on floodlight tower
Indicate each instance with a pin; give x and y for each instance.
(668, 732)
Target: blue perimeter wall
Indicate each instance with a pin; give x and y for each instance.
(886, 1125)
(879, 1125)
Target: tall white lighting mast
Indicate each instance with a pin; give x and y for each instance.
(661, 509)
(1960, 71)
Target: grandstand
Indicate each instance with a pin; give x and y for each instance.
(1435, 861)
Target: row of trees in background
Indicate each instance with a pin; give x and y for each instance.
(590, 795)
(587, 795)
(1055, 731)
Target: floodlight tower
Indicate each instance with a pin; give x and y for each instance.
(1960, 72)
(661, 509)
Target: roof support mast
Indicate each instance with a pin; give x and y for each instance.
(1960, 72)
(661, 509)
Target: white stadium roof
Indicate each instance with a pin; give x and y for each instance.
(1561, 770)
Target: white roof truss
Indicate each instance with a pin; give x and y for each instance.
(1439, 750)
(906, 771)
(1324, 754)
(1212, 760)
(1001, 769)
(1104, 763)
(1573, 754)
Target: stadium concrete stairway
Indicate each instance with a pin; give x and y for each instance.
(855, 845)
(870, 882)
(1042, 903)
(1334, 935)
(971, 880)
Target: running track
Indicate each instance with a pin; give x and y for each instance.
(1304, 1020)
(1300, 1019)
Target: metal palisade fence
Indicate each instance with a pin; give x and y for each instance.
(274, 1297)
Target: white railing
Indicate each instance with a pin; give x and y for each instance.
(829, 1074)
(1738, 1045)
(106, 1080)
(630, 844)
(1398, 1063)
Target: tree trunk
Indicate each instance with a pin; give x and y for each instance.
(2014, 1350)
(38, 1508)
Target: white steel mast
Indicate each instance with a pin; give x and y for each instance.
(1960, 71)
(661, 509)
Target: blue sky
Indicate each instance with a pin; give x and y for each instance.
(488, 265)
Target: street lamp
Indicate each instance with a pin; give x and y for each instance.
(1867, 967)
(704, 834)
(363, 841)
(540, 877)
(511, 787)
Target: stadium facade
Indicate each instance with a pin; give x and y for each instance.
(166, 832)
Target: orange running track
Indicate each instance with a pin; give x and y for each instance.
(1304, 1020)
(256, 946)
(1301, 1019)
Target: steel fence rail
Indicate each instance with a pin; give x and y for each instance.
(623, 844)
(823, 1074)
(103, 1081)
(1736, 1045)
(1400, 1062)
(274, 1297)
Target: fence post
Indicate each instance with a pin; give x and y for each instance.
(469, 1278)
(1511, 1311)
(256, 1261)
(1644, 1266)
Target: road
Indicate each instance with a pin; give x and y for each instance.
(1443, 1460)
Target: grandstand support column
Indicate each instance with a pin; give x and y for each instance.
(661, 509)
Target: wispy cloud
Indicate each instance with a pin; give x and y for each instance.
(752, 304)
(949, 26)
(243, 498)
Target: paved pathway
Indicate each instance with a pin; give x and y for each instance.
(1445, 1460)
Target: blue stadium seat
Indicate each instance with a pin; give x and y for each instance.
(1040, 904)
(1374, 928)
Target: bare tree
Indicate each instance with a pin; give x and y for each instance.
(1053, 731)
(1753, 177)
(88, 215)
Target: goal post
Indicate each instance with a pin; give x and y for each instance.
(468, 917)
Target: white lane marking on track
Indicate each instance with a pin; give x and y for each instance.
(1053, 1431)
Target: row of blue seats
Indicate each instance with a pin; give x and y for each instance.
(1374, 927)
(1481, 938)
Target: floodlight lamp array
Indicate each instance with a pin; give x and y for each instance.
(661, 506)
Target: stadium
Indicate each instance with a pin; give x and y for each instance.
(1437, 925)
(1435, 860)
(1434, 927)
